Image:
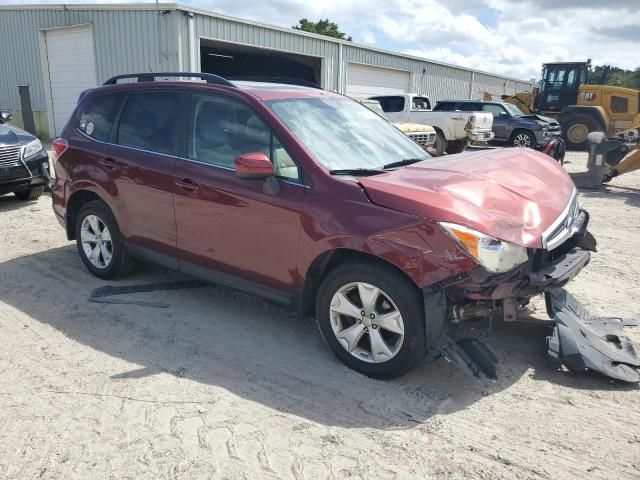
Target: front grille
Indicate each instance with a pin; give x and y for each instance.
(423, 139)
(564, 227)
(10, 155)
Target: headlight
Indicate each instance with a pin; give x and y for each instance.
(32, 148)
(541, 124)
(495, 255)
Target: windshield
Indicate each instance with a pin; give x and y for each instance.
(343, 134)
(513, 110)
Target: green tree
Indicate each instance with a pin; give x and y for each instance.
(322, 27)
(610, 75)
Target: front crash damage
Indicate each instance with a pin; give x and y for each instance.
(579, 341)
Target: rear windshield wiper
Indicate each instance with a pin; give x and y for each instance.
(359, 172)
(402, 163)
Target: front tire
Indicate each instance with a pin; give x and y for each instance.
(33, 193)
(523, 139)
(100, 243)
(372, 318)
(440, 143)
(576, 130)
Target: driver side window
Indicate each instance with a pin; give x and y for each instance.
(223, 128)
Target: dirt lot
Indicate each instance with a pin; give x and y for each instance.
(225, 385)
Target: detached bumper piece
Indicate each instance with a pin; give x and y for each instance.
(581, 341)
(471, 355)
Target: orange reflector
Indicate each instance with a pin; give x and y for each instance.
(468, 240)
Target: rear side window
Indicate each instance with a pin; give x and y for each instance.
(98, 116)
(444, 107)
(391, 104)
(470, 107)
(150, 122)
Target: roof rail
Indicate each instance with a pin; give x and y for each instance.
(151, 76)
(284, 80)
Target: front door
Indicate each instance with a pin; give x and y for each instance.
(227, 225)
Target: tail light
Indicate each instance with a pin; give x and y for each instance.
(59, 146)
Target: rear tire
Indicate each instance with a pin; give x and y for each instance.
(576, 128)
(100, 243)
(403, 338)
(32, 194)
(440, 143)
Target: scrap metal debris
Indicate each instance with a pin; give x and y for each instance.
(99, 294)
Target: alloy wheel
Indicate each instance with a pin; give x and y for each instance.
(366, 322)
(96, 241)
(522, 140)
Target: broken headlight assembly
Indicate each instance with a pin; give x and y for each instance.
(32, 148)
(495, 255)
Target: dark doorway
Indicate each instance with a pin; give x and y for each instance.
(229, 61)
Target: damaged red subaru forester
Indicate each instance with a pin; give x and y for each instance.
(310, 199)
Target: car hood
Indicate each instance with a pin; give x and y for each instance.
(511, 194)
(10, 135)
(542, 118)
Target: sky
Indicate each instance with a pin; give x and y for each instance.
(508, 37)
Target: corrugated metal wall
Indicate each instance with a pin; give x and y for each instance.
(141, 39)
(124, 41)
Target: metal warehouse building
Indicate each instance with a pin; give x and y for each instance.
(50, 53)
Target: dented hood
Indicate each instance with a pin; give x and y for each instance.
(512, 194)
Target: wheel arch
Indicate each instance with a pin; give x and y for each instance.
(77, 200)
(522, 129)
(323, 263)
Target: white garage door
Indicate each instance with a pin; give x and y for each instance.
(365, 81)
(72, 69)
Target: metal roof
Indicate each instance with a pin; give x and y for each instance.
(186, 8)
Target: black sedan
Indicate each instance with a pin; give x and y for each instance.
(24, 164)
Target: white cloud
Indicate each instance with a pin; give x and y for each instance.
(510, 37)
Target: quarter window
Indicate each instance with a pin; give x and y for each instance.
(98, 116)
(149, 122)
(222, 129)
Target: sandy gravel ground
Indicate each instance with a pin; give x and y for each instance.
(224, 385)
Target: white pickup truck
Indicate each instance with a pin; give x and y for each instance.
(454, 130)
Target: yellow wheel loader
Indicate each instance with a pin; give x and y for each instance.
(581, 108)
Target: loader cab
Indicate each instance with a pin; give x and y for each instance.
(559, 85)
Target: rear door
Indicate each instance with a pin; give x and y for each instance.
(227, 225)
(150, 129)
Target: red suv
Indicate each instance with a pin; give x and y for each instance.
(312, 200)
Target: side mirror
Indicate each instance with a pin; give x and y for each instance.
(503, 115)
(5, 116)
(253, 166)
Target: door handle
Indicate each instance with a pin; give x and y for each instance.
(187, 184)
(109, 163)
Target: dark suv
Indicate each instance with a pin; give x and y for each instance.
(310, 199)
(511, 126)
(24, 164)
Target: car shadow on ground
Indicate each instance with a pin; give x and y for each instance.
(10, 202)
(256, 350)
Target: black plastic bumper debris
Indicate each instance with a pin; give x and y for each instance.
(581, 341)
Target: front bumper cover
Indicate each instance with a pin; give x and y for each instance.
(581, 341)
